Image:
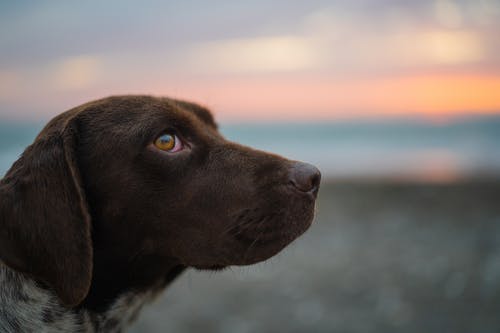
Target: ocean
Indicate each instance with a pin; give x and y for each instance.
(395, 149)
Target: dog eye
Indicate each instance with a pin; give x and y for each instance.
(169, 143)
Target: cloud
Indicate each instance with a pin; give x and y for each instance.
(254, 55)
(326, 52)
(9, 83)
(338, 41)
(76, 73)
(393, 42)
(457, 47)
(48, 87)
(448, 13)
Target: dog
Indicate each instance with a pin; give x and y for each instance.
(117, 197)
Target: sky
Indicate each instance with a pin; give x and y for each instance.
(256, 60)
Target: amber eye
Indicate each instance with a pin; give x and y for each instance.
(168, 142)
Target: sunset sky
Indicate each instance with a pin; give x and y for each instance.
(255, 60)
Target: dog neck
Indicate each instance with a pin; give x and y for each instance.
(117, 274)
(27, 306)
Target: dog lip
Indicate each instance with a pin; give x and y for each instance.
(275, 231)
(258, 249)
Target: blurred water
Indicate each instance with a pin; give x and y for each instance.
(14, 138)
(384, 149)
(390, 149)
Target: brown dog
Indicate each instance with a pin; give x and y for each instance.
(118, 196)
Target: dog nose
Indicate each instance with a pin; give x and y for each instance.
(305, 177)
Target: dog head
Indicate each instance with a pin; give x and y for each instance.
(142, 178)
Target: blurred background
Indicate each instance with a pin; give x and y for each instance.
(397, 102)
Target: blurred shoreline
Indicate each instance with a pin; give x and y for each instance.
(411, 182)
(392, 149)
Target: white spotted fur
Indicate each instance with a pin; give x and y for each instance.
(23, 304)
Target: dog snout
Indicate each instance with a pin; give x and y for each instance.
(305, 177)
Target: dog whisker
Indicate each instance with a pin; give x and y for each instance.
(266, 218)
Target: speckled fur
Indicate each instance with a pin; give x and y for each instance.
(27, 307)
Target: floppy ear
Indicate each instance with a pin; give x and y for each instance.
(44, 221)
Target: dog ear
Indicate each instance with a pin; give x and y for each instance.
(44, 220)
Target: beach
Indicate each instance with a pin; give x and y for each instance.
(381, 256)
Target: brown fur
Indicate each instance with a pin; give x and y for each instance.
(92, 210)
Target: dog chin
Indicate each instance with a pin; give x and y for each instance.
(269, 244)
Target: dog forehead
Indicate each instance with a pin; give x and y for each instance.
(178, 114)
(131, 113)
(200, 112)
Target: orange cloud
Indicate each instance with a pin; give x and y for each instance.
(434, 96)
